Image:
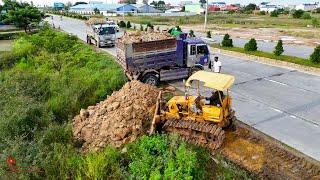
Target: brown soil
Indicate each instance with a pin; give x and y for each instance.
(265, 157)
(120, 119)
(136, 37)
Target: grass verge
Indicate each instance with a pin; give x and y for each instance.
(291, 59)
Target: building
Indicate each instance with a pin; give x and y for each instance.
(269, 8)
(194, 8)
(307, 6)
(219, 4)
(108, 9)
(183, 3)
(145, 8)
(58, 6)
(103, 8)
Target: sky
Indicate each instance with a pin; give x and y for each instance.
(50, 2)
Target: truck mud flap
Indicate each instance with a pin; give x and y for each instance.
(173, 74)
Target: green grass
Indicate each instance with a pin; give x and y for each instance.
(292, 59)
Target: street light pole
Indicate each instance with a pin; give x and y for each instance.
(206, 16)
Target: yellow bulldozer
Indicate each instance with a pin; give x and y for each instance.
(197, 119)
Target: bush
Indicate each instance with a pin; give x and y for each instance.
(278, 49)
(122, 24)
(150, 25)
(160, 157)
(128, 25)
(209, 34)
(251, 45)
(306, 15)
(274, 14)
(297, 14)
(227, 42)
(315, 56)
(315, 22)
(44, 82)
(141, 27)
(191, 33)
(262, 13)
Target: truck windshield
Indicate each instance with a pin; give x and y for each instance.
(107, 30)
(202, 49)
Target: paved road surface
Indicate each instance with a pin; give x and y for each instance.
(283, 103)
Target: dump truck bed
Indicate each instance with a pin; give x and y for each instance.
(141, 56)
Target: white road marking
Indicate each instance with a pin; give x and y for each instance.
(276, 82)
(277, 110)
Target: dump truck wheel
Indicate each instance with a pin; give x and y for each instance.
(151, 79)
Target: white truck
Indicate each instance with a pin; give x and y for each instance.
(101, 32)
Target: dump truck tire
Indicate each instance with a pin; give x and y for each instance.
(151, 79)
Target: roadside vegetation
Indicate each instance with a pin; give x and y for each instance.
(292, 59)
(44, 82)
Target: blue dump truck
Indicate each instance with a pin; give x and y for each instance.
(161, 59)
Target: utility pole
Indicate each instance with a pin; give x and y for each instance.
(206, 15)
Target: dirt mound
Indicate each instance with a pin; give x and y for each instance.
(136, 37)
(120, 119)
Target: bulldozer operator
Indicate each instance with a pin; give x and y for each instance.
(214, 98)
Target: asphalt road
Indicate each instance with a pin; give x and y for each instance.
(282, 103)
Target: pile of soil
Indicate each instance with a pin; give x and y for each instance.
(136, 37)
(118, 120)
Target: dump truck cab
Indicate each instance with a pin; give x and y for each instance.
(197, 52)
(101, 32)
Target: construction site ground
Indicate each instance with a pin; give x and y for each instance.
(126, 115)
(264, 157)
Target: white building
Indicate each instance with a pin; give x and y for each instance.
(269, 8)
(307, 6)
(219, 4)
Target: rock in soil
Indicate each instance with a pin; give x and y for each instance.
(120, 119)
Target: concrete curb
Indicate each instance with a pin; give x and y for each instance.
(268, 61)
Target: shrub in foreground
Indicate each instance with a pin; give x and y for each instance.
(278, 49)
(227, 42)
(315, 56)
(251, 45)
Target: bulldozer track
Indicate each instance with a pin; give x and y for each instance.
(199, 133)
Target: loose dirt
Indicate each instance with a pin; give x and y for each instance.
(265, 157)
(120, 119)
(136, 37)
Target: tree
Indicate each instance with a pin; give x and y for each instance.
(315, 56)
(128, 24)
(274, 14)
(227, 42)
(96, 11)
(77, 3)
(24, 16)
(262, 13)
(306, 15)
(278, 49)
(161, 5)
(154, 3)
(191, 33)
(209, 34)
(130, 1)
(250, 7)
(251, 45)
(145, 1)
(315, 22)
(297, 14)
(202, 2)
(122, 24)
